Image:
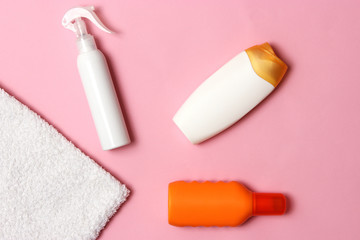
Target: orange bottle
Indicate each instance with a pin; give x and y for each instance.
(219, 203)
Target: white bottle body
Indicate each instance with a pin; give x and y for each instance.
(102, 99)
(223, 99)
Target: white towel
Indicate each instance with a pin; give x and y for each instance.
(49, 189)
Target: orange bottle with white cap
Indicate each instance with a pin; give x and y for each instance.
(219, 203)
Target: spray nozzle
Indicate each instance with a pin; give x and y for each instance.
(72, 20)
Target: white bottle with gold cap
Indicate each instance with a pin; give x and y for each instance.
(230, 93)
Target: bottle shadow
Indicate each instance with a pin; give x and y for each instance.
(121, 99)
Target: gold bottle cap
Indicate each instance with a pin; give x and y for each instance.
(266, 64)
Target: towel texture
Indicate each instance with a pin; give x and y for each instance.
(49, 189)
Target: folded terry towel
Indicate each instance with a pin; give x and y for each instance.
(49, 189)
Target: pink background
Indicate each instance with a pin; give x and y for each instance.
(302, 141)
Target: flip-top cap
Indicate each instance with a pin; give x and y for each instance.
(268, 204)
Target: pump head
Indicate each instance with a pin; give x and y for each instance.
(72, 20)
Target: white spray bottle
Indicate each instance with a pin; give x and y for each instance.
(96, 79)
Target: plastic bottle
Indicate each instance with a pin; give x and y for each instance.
(219, 203)
(230, 93)
(96, 79)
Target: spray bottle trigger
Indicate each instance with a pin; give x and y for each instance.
(82, 12)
